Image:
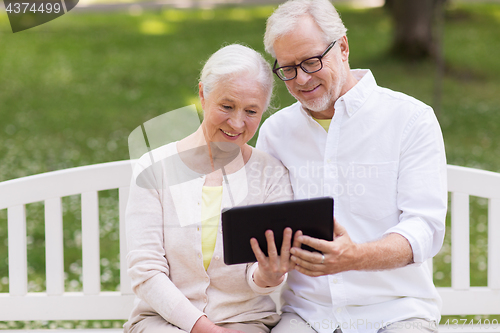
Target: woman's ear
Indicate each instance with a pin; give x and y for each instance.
(200, 93)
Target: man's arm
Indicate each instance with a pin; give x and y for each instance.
(342, 254)
(421, 198)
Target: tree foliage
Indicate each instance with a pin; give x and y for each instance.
(416, 27)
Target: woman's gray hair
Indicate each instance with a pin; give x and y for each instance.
(285, 19)
(237, 60)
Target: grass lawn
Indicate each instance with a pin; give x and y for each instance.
(72, 90)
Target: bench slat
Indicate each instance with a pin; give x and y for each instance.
(476, 300)
(18, 256)
(90, 244)
(494, 244)
(125, 283)
(460, 267)
(62, 183)
(54, 247)
(70, 306)
(479, 183)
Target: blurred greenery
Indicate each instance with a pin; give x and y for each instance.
(73, 89)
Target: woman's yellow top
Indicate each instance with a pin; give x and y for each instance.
(210, 216)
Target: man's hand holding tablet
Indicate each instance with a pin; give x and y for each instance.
(345, 255)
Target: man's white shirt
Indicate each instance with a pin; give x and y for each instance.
(383, 162)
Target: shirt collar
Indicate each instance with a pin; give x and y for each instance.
(357, 95)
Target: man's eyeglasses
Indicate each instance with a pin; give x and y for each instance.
(310, 65)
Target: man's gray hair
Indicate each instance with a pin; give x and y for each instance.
(285, 19)
(237, 60)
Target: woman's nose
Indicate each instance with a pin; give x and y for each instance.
(237, 120)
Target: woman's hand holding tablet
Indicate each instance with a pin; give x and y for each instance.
(272, 268)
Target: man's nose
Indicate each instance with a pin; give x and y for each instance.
(302, 77)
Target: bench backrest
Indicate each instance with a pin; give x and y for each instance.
(461, 298)
(56, 304)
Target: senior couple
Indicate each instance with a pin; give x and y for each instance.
(378, 153)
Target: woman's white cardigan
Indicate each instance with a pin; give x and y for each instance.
(164, 240)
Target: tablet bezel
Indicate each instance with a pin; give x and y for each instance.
(240, 224)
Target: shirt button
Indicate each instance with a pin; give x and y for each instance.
(199, 255)
(217, 258)
(339, 310)
(220, 230)
(198, 228)
(335, 280)
(205, 299)
(207, 279)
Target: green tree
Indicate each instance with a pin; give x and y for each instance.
(417, 27)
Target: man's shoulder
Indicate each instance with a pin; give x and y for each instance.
(399, 110)
(400, 97)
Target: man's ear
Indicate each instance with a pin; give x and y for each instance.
(344, 48)
(200, 93)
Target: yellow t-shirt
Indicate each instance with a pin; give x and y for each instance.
(325, 123)
(211, 198)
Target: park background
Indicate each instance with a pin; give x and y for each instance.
(72, 90)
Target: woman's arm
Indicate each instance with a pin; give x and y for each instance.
(204, 325)
(148, 266)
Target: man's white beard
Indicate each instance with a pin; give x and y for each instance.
(326, 101)
(320, 104)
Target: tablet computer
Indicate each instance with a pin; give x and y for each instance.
(314, 217)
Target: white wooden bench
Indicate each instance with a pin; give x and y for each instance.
(92, 304)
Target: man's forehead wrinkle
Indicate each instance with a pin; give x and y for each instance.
(304, 42)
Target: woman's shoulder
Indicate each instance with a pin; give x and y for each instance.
(158, 153)
(153, 156)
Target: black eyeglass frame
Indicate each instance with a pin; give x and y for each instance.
(275, 70)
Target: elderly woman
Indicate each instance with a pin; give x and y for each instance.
(173, 215)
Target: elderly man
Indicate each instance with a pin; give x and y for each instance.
(380, 155)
